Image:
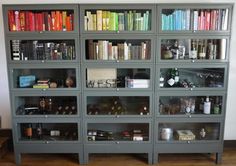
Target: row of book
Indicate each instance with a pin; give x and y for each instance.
(207, 19)
(107, 50)
(131, 20)
(42, 50)
(40, 21)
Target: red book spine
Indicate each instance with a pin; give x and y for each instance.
(22, 20)
(202, 20)
(40, 21)
(17, 20)
(45, 21)
(214, 20)
(207, 22)
(27, 24)
(49, 23)
(11, 21)
(53, 18)
(32, 21)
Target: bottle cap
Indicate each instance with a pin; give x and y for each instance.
(207, 99)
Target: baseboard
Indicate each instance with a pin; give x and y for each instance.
(230, 143)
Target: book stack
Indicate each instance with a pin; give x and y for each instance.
(108, 50)
(101, 20)
(42, 84)
(54, 20)
(204, 19)
(42, 50)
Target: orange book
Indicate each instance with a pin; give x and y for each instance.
(22, 20)
(60, 22)
(57, 20)
(68, 28)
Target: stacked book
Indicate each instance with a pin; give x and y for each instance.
(101, 20)
(204, 19)
(57, 20)
(42, 84)
(108, 50)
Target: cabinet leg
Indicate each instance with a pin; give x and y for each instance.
(81, 158)
(17, 158)
(218, 158)
(155, 158)
(86, 158)
(150, 159)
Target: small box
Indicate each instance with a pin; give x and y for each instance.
(185, 135)
(26, 81)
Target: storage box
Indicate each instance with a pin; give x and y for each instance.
(3, 146)
(185, 135)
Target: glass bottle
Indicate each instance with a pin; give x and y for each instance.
(176, 77)
(42, 105)
(171, 78)
(162, 80)
(49, 105)
(29, 131)
(193, 52)
(39, 131)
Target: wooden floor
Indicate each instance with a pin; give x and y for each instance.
(229, 159)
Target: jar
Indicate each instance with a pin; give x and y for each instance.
(166, 134)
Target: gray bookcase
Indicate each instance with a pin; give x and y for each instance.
(180, 107)
(112, 92)
(54, 122)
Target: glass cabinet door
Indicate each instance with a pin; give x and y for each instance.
(118, 131)
(48, 131)
(46, 105)
(118, 50)
(43, 50)
(195, 105)
(115, 19)
(188, 131)
(118, 78)
(193, 49)
(118, 105)
(185, 19)
(192, 77)
(52, 78)
(40, 19)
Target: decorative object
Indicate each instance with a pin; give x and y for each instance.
(166, 134)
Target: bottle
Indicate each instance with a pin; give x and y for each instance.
(176, 77)
(207, 106)
(162, 80)
(201, 105)
(39, 131)
(193, 52)
(201, 50)
(49, 105)
(29, 131)
(42, 105)
(216, 109)
(171, 78)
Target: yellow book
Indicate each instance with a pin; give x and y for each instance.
(99, 20)
(108, 20)
(94, 22)
(64, 15)
(104, 20)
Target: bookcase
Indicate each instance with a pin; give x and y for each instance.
(195, 72)
(43, 55)
(118, 78)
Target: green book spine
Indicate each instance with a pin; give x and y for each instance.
(126, 20)
(116, 22)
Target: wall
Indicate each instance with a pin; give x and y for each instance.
(230, 127)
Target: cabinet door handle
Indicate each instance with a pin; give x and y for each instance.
(46, 116)
(47, 142)
(188, 142)
(117, 116)
(117, 89)
(117, 142)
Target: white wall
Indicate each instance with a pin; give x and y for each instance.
(230, 127)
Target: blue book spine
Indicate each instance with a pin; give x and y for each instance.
(162, 21)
